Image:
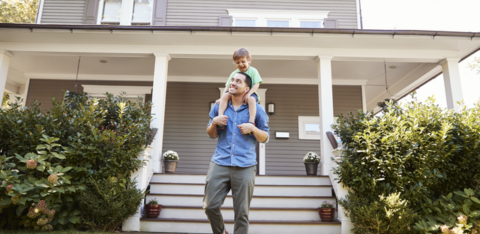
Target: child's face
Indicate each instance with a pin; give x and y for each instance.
(243, 63)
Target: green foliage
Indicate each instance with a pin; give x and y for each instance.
(153, 202)
(18, 11)
(457, 210)
(311, 157)
(5, 100)
(170, 155)
(384, 215)
(417, 149)
(38, 177)
(100, 139)
(327, 204)
(109, 203)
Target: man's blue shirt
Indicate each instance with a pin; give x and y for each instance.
(234, 148)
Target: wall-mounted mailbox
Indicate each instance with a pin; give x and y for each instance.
(285, 135)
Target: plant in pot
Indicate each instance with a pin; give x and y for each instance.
(170, 159)
(153, 209)
(327, 211)
(311, 161)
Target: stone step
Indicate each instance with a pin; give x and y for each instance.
(260, 190)
(259, 179)
(257, 201)
(255, 227)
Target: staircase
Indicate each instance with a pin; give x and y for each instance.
(280, 204)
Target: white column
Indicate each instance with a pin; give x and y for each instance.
(364, 99)
(453, 87)
(127, 12)
(159, 97)
(4, 64)
(325, 97)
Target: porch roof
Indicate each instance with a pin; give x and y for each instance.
(357, 54)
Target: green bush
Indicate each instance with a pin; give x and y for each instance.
(100, 139)
(386, 215)
(110, 202)
(417, 149)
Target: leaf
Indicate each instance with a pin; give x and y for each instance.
(59, 156)
(72, 220)
(475, 213)
(20, 209)
(469, 192)
(31, 179)
(22, 200)
(88, 165)
(475, 200)
(6, 202)
(31, 156)
(41, 168)
(66, 169)
(62, 221)
(40, 147)
(466, 209)
(42, 185)
(460, 193)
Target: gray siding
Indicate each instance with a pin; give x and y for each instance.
(186, 118)
(43, 90)
(63, 12)
(207, 12)
(285, 156)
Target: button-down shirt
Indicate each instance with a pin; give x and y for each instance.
(234, 148)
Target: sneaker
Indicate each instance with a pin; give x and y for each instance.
(221, 126)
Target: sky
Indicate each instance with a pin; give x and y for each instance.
(437, 15)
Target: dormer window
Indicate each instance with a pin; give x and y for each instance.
(277, 18)
(112, 10)
(126, 12)
(142, 12)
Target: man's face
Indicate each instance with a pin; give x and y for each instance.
(243, 63)
(238, 85)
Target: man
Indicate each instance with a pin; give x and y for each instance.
(234, 162)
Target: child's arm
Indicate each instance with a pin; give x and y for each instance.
(254, 88)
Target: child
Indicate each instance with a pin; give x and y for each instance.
(242, 61)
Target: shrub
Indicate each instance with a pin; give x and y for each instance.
(385, 215)
(110, 202)
(417, 149)
(100, 139)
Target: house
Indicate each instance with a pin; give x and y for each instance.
(315, 62)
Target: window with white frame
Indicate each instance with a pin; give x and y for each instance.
(277, 18)
(125, 12)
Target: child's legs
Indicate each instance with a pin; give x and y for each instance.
(223, 103)
(252, 108)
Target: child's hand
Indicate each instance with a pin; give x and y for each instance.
(245, 98)
(217, 101)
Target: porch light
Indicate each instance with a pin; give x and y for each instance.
(271, 108)
(211, 105)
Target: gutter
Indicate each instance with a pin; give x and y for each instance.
(352, 32)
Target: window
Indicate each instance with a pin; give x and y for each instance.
(112, 10)
(277, 18)
(245, 23)
(125, 12)
(310, 24)
(142, 11)
(277, 23)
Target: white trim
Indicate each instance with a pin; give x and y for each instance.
(127, 12)
(364, 99)
(132, 91)
(359, 20)
(25, 94)
(262, 16)
(100, 11)
(40, 12)
(261, 157)
(302, 120)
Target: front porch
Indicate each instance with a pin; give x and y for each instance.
(319, 73)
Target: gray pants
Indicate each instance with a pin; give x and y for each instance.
(220, 179)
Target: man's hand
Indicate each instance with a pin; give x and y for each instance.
(245, 98)
(217, 101)
(246, 128)
(220, 120)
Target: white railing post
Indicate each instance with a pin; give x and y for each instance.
(142, 176)
(4, 64)
(453, 87)
(325, 98)
(159, 98)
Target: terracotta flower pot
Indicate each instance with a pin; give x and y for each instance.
(326, 214)
(153, 211)
(311, 168)
(170, 166)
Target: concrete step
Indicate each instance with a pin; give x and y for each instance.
(260, 190)
(259, 213)
(255, 227)
(257, 201)
(259, 179)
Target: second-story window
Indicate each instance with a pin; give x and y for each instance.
(277, 18)
(142, 12)
(278, 23)
(310, 24)
(112, 10)
(245, 23)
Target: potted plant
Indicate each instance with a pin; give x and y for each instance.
(153, 209)
(327, 211)
(311, 161)
(170, 159)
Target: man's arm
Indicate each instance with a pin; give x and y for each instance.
(212, 130)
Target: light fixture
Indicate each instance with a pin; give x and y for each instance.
(388, 98)
(103, 61)
(271, 108)
(211, 105)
